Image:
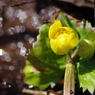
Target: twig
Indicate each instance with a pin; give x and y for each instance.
(21, 4)
(28, 91)
(37, 92)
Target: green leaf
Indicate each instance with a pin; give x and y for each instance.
(44, 59)
(86, 67)
(64, 20)
(86, 32)
(67, 22)
(42, 79)
(86, 74)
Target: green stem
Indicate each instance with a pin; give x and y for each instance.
(69, 85)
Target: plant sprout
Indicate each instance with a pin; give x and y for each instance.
(61, 48)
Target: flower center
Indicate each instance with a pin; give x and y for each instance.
(62, 32)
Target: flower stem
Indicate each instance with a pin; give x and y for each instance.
(69, 85)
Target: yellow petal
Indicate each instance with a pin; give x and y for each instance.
(72, 37)
(62, 39)
(73, 40)
(54, 28)
(59, 45)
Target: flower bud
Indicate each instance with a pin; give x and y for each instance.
(62, 39)
(86, 49)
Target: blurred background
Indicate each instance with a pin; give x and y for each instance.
(20, 21)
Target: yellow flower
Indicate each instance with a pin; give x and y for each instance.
(62, 39)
